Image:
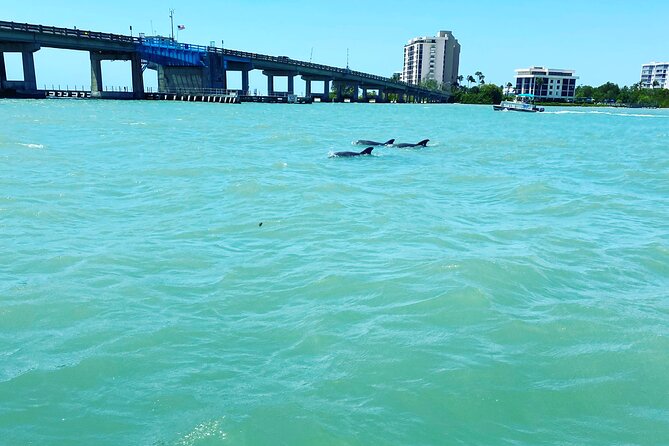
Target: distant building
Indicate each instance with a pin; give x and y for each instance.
(546, 83)
(654, 75)
(436, 58)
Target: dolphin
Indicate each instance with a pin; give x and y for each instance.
(367, 151)
(364, 142)
(422, 143)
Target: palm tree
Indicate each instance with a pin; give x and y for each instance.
(470, 79)
(537, 85)
(480, 76)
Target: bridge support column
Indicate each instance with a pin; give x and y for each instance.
(291, 84)
(3, 71)
(356, 93)
(309, 80)
(245, 82)
(29, 77)
(136, 72)
(326, 91)
(270, 81)
(137, 78)
(29, 82)
(270, 85)
(96, 76)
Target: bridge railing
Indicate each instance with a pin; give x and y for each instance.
(67, 32)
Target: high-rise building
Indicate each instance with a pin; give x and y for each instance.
(654, 75)
(546, 83)
(436, 58)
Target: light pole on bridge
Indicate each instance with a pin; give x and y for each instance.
(172, 22)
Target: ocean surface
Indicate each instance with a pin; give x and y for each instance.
(184, 274)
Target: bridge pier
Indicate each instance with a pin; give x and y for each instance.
(3, 71)
(270, 81)
(344, 88)
(177, 79)
(29, 82)
(96, 72)
(245, 82)
(217, 72)
(96, 76)
(137, 76)
(270, 85)
(325, 96)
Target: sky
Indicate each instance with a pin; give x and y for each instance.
(602, 40)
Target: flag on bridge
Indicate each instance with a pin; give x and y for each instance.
(181, 27)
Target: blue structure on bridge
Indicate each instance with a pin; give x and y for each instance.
(165, 51)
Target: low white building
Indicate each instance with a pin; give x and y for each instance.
(654, 75)
(546, 83)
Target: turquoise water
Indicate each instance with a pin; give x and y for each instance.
(508, 284)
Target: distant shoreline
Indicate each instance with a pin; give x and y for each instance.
(572, 104)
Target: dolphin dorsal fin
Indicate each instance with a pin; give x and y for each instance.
(389, 142)
(367, 151)
(423, 142)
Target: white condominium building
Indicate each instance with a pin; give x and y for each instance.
(436, 58)
(654, 75)
(546, 83)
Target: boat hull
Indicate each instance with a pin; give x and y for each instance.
(525, 110)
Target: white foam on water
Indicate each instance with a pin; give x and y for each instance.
(596, 112)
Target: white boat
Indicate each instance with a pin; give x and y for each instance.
(522, 103)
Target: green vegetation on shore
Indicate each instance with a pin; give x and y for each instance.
(611, 94)
(479, 93)
(608, 94)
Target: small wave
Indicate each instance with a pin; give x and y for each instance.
(596, 112)
(206, 431)
(31, 146)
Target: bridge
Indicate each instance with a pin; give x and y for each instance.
(187, 68)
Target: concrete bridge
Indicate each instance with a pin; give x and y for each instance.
(190, 68)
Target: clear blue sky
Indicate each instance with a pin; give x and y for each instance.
(603, 40)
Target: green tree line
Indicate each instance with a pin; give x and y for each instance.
(476, 91)
(610, 93)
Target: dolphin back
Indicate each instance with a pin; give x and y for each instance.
(367, 151)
